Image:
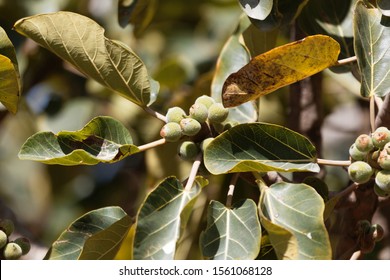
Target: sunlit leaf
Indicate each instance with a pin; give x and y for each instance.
(260, 147)
(139, 13)
(232, 233)
(295, 209)
(96, 235)
(372, 48)
(103, 139)
(280, 67)
(333, 18)
(232, 57)
(80, 41)
(10, 85)
(162, 217)
(257, 9)
(384, 7)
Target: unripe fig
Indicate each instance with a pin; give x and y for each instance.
(382, 180)
(199, 112)
(377, 232)
(356, 154)
(188, 150)
(379, 192)
(205, 143)
(175, 114)
(218, 113)
(205, 100)
(12, 251)
(171, 132)
(190, 127)
(24, 243)
(384, 160)
(360, 172)
(3, 239)
(7, 226)
(380, 137)
(364, 143)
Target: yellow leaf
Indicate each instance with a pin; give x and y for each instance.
(280, 67)
(9, 85)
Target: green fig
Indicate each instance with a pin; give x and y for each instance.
(360, 172)
(171, 132)
(190, 127)
(12, 251)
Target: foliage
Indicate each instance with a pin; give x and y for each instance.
(139, 105)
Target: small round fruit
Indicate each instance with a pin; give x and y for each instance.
(205, 143)
(377, 232)
(205, 100)
(175, 114)
(3, 239)
(356, 154)
(364, 143)
(7, 226)
(171, 132)
(380, 137)
(188, 150)
(384, 160)
(382, 180)
(190, 127)
(199, 112)
(218, 113)
(24, 243)
(360, 172)
(12, 251)
(379, 192)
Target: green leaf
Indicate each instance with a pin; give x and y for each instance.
(232, 57)
(81, 42)
(162, 217)
(384, 7)
(280, 67)
(260, 147)
(231, 233)
(10, 85)
(96, 235)
(138, 13)
(372, 50)
(296, 209)
(103, 139)
(257, 9)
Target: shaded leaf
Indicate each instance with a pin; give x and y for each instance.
(258, 41)
(162, 217)
(10, 85)
(257, 9)
(232, 57)
(384, 7)
(283, 12)
(280, 67)
(136, 12)
(96, 235)
(231, 234)
(296, 209)
(260, 147)
(103, 139)
(333, 18)
(372, 50)
(81, 42)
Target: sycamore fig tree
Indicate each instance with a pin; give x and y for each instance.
(273, 201)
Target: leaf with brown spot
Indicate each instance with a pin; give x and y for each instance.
(280, 67)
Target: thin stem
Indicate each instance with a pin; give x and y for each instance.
(260, 181)
(152, 144)
(372, 113)
(347, 60)
(333, 162)
(231, 190)
(194, 171)
(155, 114)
